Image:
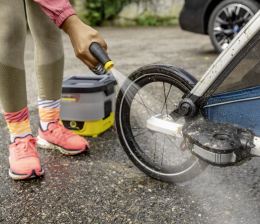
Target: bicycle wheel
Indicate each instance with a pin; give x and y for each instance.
(155, 89)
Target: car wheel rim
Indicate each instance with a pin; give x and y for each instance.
(229, 21)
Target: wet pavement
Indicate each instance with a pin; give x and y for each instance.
(102, 185)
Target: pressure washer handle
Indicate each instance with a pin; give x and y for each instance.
(98, 52)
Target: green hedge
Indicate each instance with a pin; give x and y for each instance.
(100, 10)
(149, 20)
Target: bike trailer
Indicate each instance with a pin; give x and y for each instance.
(225, 130)
(88, 104)
(237, 99)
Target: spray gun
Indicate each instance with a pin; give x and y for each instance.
(105, 62)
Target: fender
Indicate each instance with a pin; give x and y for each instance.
(164, 68)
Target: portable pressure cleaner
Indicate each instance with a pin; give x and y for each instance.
(88, 101)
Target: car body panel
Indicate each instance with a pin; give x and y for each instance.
(194, 11)
(195, 15)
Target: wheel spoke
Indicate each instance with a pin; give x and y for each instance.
(141, 133)
(246, 15)
(228, 32)
(218, 30)
(144, 104)
(147, 108)
(226, 11)
(166, 98)
(138, 130)
(221, 21)
(221, 42)
(175, 145)
(238, 10)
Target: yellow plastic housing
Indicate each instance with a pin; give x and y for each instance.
(93, 128)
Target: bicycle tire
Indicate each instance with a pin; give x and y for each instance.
(141, 77)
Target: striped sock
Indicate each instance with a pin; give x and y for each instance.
(49, 111)
(18, 124)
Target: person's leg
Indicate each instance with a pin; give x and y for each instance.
(49, 63)
(23, 158)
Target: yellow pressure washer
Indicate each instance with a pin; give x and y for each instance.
(88, 101)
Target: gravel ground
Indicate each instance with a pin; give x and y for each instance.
(102, 185)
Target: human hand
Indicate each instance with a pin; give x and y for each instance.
(82, 36)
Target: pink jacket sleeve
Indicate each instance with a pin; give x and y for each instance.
(57, 10)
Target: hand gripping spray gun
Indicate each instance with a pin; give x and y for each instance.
(105, 62)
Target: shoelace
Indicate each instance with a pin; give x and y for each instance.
(26, 148)
(58, 129)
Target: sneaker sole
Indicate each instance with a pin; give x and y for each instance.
(30, 175)
(47, 145)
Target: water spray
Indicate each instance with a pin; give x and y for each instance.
(107, 64)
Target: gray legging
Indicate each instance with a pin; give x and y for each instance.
(49, 55)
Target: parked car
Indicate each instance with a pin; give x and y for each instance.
(220, 19)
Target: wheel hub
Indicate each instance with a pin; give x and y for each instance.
(236, 28)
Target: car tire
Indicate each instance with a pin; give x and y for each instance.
(217, 30)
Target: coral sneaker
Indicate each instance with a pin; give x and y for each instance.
(24, 159)
(58, 137)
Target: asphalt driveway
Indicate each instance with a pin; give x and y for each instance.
(102, 185)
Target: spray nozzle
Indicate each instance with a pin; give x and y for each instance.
(98, 52)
